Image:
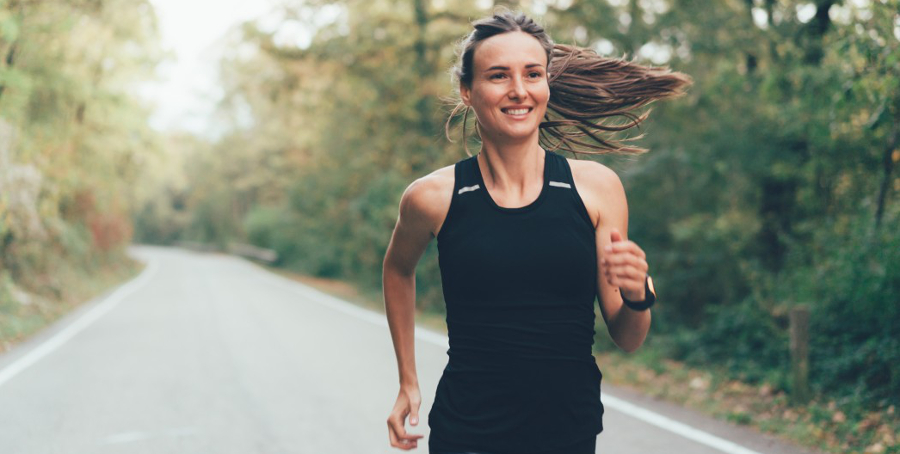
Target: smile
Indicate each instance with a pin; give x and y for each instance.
(517, 111)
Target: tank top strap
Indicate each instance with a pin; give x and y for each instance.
(560, 174)
(563, 185)
(467, 178)
(465, 201)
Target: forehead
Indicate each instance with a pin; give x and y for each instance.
(511, 49)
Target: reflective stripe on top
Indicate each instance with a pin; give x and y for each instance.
(468, 188)
(560, 184)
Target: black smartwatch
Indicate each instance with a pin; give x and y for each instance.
(649, 297)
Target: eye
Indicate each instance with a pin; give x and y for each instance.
(496, 76)
(535, 74)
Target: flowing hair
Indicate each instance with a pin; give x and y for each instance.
(590, 95)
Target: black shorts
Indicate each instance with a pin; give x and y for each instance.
(586, 446)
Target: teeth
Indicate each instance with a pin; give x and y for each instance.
(517, 111)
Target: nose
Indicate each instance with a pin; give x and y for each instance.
(517, 90)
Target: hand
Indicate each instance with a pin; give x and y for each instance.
(408, 402)
(624, 265)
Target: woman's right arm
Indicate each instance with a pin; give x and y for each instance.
(410, 238)
(421, 205)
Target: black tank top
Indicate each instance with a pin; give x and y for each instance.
(519, 286)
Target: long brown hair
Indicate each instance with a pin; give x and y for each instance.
(590, 95)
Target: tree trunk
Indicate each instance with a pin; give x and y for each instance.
(10, 59)
(423, 106)
(888, 166)
(816, 29)
(776, 208)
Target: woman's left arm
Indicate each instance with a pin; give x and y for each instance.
(621, 264)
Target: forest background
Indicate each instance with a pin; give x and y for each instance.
(772, 184)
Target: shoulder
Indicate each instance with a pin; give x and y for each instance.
(599, 187)
(430, 189)
(594, 173)
(427, 199)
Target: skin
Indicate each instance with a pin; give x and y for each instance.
(509, 70)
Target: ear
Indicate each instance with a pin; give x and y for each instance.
(465, 94)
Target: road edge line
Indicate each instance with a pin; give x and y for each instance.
(666, 423)
(60, 338)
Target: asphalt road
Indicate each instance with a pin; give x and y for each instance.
(207, 353)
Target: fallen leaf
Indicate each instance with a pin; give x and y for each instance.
(699, 383)
(838, 417)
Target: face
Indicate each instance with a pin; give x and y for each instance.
(509, 89)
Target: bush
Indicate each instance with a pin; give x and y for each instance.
(855, 337)
(850, 281)
(743, 338)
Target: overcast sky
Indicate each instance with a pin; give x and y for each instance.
(185, 95)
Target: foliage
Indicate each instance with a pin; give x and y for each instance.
(771, 184)
(71, 142)
(856, 351)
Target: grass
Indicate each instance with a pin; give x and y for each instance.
(23, 313)
(820, 424)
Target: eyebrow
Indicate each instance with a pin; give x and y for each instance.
(506, 68)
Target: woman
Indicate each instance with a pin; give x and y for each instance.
(527, 239)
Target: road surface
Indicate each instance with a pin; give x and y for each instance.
(208, 353)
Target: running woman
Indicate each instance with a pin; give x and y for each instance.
(527, 240)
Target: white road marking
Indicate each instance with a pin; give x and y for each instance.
(673, 426)
(70, 331)
(129, 437)
(181, 432)
(442, 340)
(125, 437)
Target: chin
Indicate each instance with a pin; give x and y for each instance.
(512, 132)
(519, 134)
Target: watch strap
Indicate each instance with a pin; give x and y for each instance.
(649, 298)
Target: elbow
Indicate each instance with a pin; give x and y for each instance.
(629, 347)
(630, 340)
(628, 344)
(630, 331)
(390, 269)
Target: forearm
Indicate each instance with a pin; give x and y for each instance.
(629, 328)
(400, 307)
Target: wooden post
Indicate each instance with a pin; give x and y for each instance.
(799, 317)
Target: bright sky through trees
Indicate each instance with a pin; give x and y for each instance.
(187, 88)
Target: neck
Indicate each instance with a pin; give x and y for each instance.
(512, 167)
